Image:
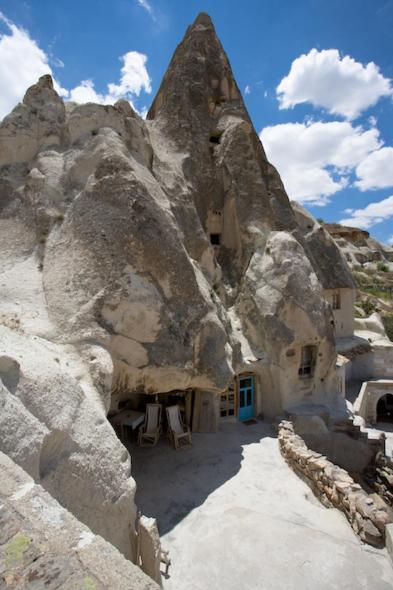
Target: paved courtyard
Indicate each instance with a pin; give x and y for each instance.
(235, 517)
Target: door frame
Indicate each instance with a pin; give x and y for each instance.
(237, 391)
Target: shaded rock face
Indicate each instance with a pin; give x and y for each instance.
(329, 262)
(144, 256)
(44, 546)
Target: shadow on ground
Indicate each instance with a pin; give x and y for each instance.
(170, 484)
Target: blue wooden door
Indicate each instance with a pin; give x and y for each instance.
(246, 398)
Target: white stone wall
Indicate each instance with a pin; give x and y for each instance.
(376, 364)
(383, 360)
(344, 320)
(367, 400)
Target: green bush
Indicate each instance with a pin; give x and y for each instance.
(382, 267)
(376, 291)
(367, 306)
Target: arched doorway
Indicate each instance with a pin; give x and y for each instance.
(385, 408)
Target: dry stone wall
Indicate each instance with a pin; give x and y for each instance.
(367, 514)
(380, 476)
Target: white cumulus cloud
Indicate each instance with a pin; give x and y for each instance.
(22, 62)
(341, 85)
(85, 92)
(134, 78)
(376, 171)
(315, 158)
(371, 215)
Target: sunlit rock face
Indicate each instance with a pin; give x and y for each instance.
(144, 256)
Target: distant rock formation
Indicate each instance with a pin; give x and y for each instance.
(372, 269)
(358, 246)
(145, 257)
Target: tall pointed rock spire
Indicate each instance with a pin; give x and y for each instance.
(198, 106)
(198, 87)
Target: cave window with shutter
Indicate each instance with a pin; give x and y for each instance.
(336, 301)
(307, 361)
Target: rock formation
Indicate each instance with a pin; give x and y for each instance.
(44, 546)
(372, 267)
(358, 246)
(143, 257)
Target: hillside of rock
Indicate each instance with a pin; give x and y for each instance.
(145, 256)
(372, 267)
(359, 247)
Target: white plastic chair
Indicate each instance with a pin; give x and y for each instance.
(150, 432)
(179, 433)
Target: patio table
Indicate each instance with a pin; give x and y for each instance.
(130, 418)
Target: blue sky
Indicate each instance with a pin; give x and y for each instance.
(315, 77)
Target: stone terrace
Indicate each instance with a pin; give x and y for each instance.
(235, 516)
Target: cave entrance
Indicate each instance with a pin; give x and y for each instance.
(385, 408)
(130, 413)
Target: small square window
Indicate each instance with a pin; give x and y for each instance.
(227, 405)
(215, 239)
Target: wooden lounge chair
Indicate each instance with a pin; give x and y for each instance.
(150, 432)
(164, 558)
(179, 433)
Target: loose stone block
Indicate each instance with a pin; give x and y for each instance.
(371, 533)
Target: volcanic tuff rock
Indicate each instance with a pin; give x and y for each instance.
(110, 285)
(44, 546)
(372, 267)
(358, 246)
(329, 261)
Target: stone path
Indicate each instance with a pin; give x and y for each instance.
(234, 516)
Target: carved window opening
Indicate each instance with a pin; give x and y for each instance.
(215, 239)
(227, 404)
(336, 301)
(307, 361)
(215, 139)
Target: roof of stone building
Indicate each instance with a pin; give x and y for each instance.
(42, 546)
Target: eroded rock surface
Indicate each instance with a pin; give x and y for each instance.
(358, 246)
(44, 546)
(144, 256)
